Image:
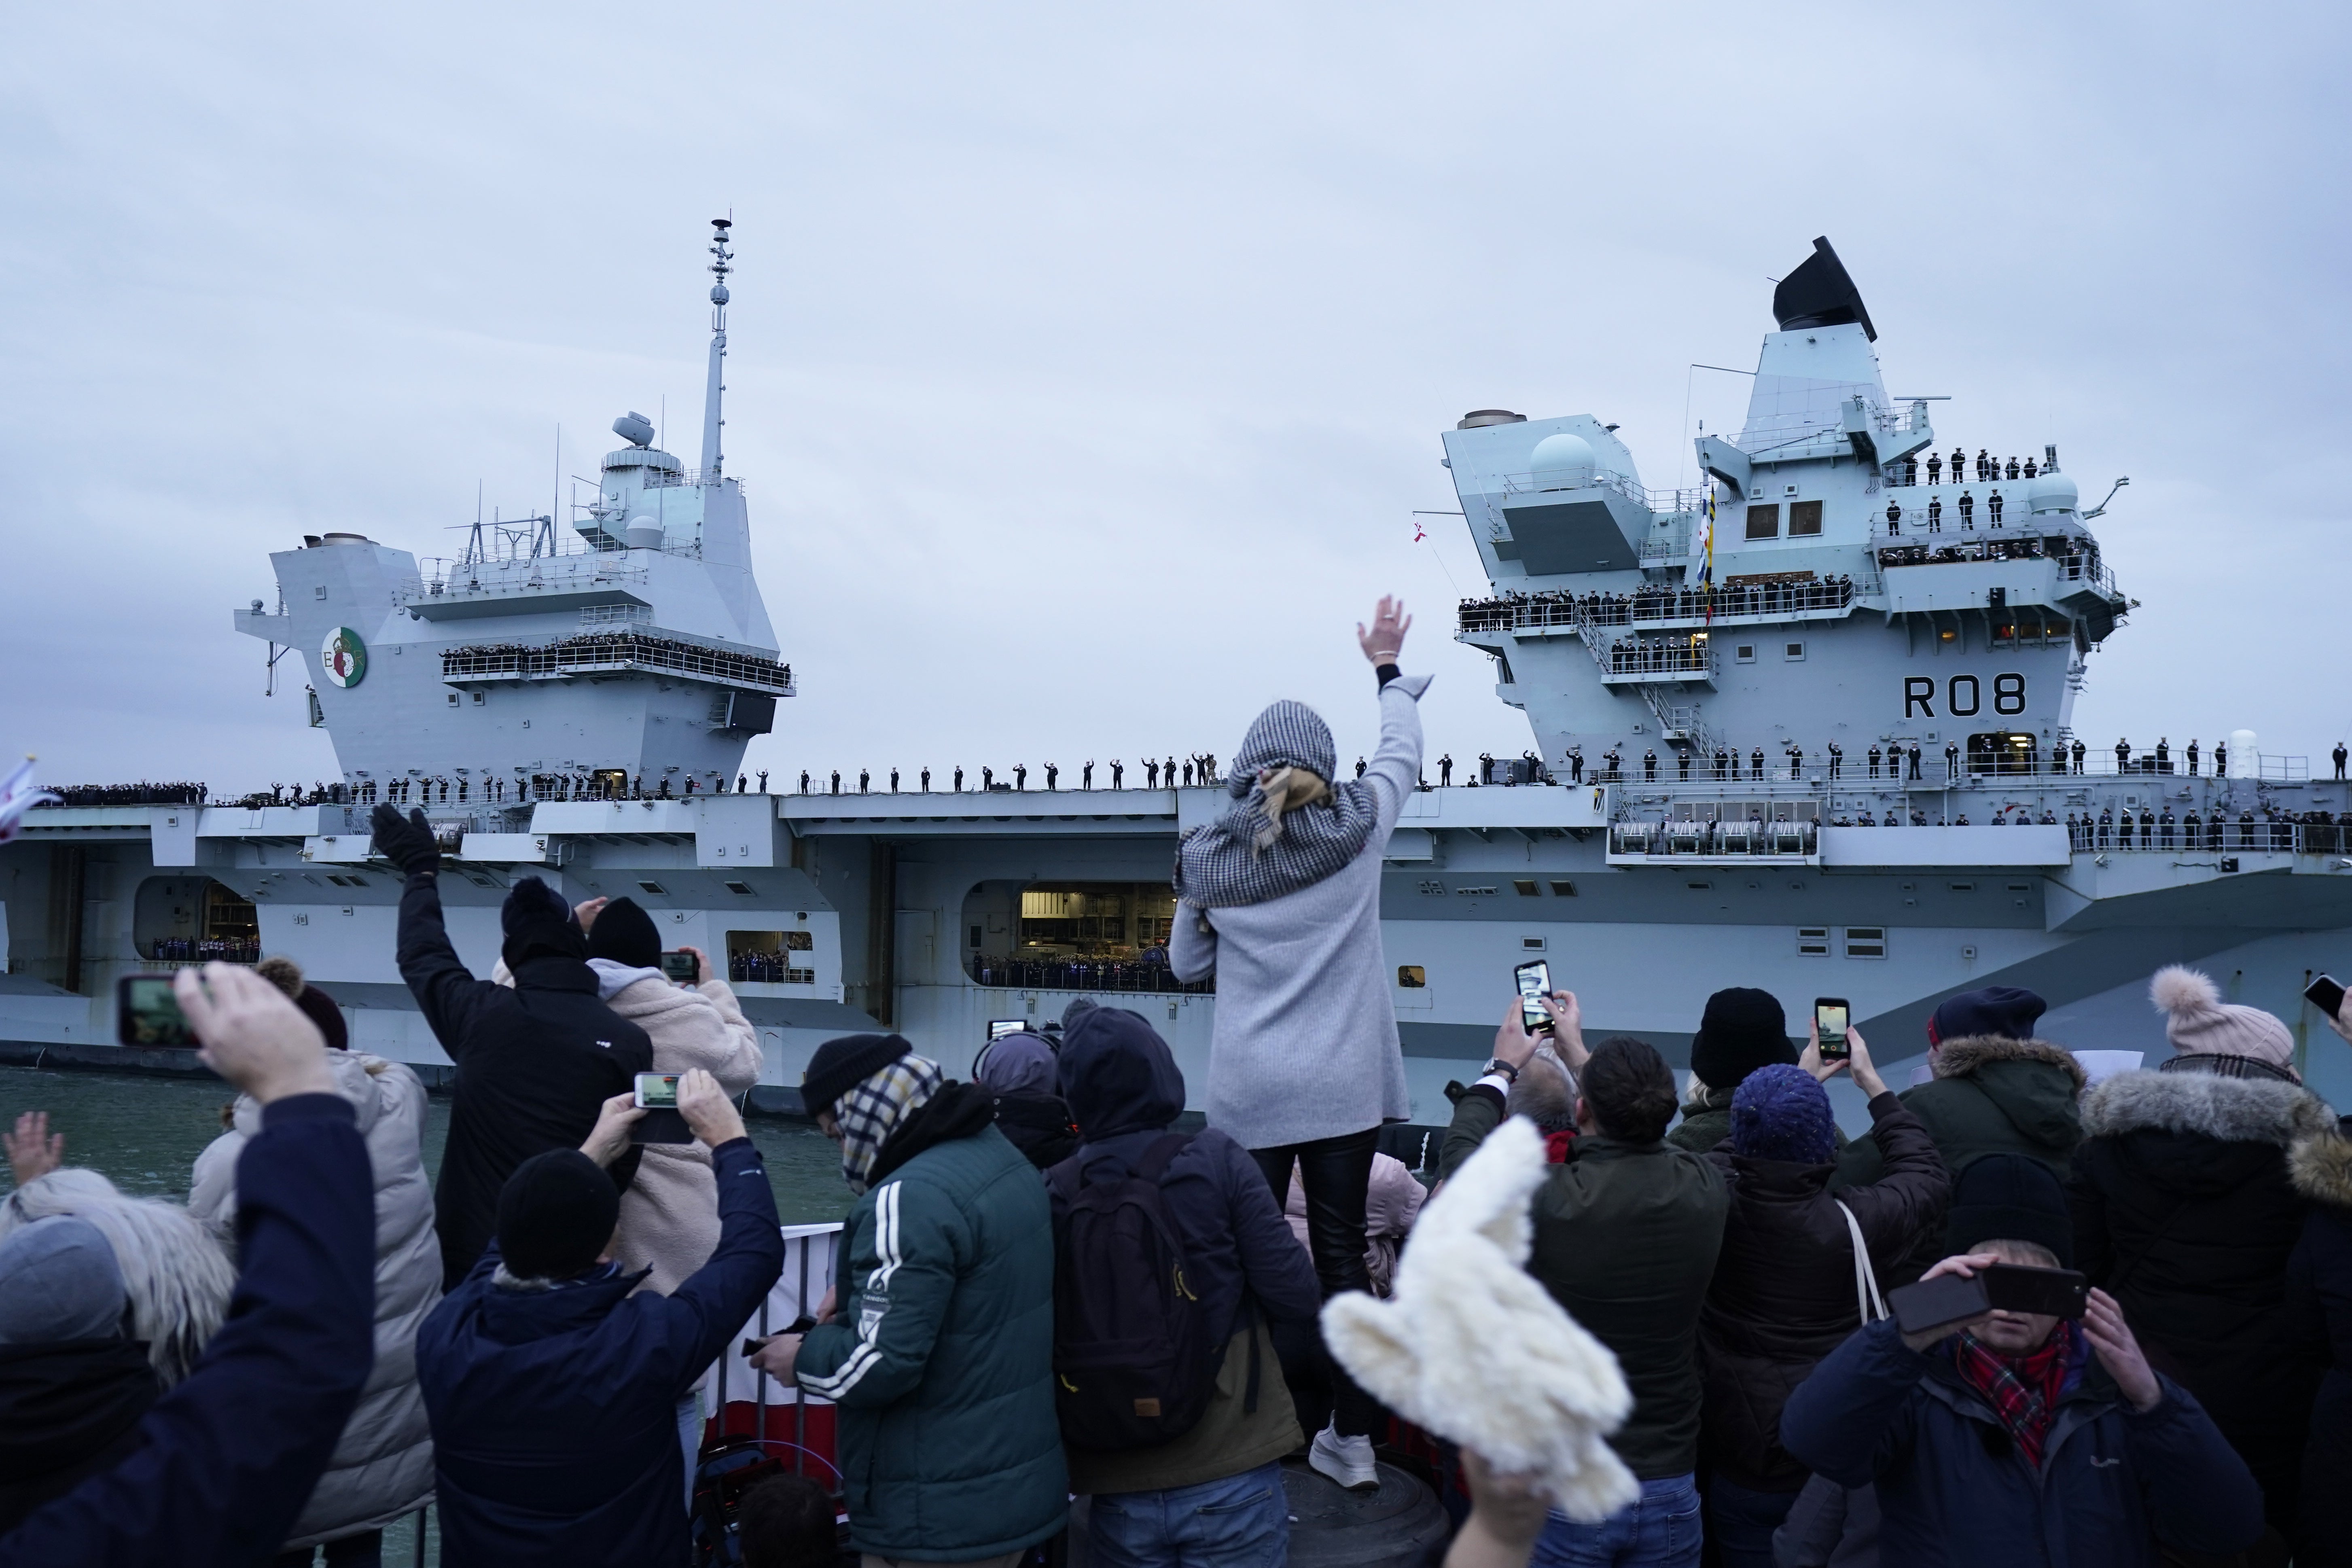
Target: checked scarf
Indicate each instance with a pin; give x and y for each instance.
(874, 1108)
(2023, 1391)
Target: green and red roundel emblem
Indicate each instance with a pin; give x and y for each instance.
(344, 657)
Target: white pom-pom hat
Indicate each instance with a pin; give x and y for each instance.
(2199, 1023)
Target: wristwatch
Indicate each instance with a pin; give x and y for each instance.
(1497, 1065)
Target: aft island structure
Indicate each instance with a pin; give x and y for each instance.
(1806, 726)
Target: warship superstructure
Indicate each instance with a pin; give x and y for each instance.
(1806, 726)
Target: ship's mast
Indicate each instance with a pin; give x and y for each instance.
(711, 459)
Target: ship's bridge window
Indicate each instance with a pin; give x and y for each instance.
(1804, 519)
(1764, 520)
(2003, 751)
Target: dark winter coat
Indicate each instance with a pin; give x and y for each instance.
(67, 1410)
(2185, 1213)
(941, 1361)
(1990, 1095)
(555, 1410)
(221, 1465)
(1706, 1122)
(1953, 1490)
(1625, 1239)
(1783, 1295)
(536, 1061)
(1039, 1126)
(2319, 1294)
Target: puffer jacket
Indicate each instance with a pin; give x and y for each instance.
(2319, 1293)
(383, 1466)
(1953, 1490)
(2185, 1213)
(941, 1358)
(1784, 1293)
(1391, 1204)
(1990, 1095)
(670, 1215)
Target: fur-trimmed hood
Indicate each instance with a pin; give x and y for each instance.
(1958, 1058)
(2229, 1109)
(2321, 1169)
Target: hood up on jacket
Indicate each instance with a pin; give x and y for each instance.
(2227, 1109)
(1119, 1075)
(2041, 1105)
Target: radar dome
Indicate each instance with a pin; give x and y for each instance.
(719, 295)
(635, 428)
(643, 534)
(2052, 492)
(1563, 462)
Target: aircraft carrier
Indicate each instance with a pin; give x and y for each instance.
(1806, 727)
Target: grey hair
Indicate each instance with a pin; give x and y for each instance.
(176, 1273)
(1545, 1092)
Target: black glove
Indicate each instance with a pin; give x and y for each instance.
(407, 841)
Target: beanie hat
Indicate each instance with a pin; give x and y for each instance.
(281, 972)
(1744, 1030)
(537, 923)
(1779, 1112)
(2199, 1023)
(555, 1215)
(2006, 1010)
(624, 933)
(59, 1280)
(319, 1008)
(840, 1064)
(2011, 1197)
(1078, 1008)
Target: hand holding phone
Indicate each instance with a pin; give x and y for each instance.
(656, 1094)
(683, 966)
(1534, 980)
(147, 1013)
(1830, 1015)
(2326, 994)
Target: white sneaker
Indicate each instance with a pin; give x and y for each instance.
(1348, 1461)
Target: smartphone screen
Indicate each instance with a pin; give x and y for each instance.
(146, 1013)
(680, 967)
(1828, 1019)
(657, 1090)
(1535, 983)
(2326, 995)
(1000, 1028)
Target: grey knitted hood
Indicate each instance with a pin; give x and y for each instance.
(1224, 863)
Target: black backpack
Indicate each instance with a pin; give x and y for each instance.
(1132, 1363)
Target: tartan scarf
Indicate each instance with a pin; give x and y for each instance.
(875, 1106)
(2023, 1391)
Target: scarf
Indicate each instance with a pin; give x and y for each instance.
(2023, 1391)
(874, 1108)
(1290, 826)
(1558, 1144)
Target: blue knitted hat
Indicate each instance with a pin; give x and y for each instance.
(1779, 1112)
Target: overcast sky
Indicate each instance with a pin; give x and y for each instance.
(1089, 364)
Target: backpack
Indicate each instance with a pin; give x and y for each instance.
(1133, 1367)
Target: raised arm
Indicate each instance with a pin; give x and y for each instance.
(1395, 769)
(446, 990)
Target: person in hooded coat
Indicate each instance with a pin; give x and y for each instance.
(1785, 1291)
(535, 1062)
(2319, 1293)
(1020, 1072)
(1280, 900)
(1998, 1090)
(2186, 1211)
(1218, 1484)
(382, 1465)
(73, 1385)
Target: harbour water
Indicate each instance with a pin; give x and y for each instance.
(145, 1134)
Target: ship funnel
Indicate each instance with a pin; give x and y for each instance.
(635, 428)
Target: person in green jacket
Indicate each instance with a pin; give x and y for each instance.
(939, 1359)
(1627, 1228)
(1997, 1090)
(1742, 1029)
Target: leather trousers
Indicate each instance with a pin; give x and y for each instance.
(1337, 1173)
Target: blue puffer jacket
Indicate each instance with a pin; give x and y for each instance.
(941, 1356)
(1952, 1488)
(555, 1412)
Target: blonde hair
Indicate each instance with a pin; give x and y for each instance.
(175, 1274)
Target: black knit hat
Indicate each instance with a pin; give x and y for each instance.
(1744, 1030)
(624, 933)
(555, 1215)
(537, 923)
(838, 1064)
(2010, 1197)
(2009, 1010)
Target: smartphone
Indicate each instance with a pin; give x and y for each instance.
(2326, 995)
(800, 1325)
(147, 1013)
(681, 967)
(1000, 1028)
(656, 1091)
(2010, 1287)
(656, 1096)
(1829, 1018)
(1534, 978)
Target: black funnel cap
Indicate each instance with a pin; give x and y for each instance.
(1819, 294)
